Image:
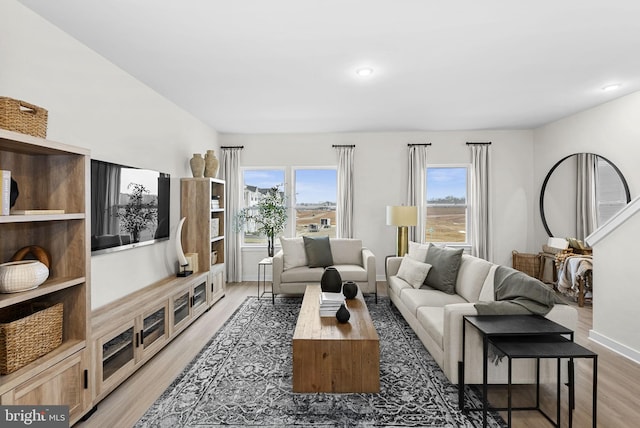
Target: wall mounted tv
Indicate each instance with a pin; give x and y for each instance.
(129, 207)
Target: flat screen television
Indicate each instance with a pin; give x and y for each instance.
(129, 207)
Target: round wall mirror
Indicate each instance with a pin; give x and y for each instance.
(560, 189)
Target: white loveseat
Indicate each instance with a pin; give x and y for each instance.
(436, 318)
(292, 274)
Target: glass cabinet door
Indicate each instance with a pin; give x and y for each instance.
(117, 353)
(180, 308)
(199, 296)
(153, 327)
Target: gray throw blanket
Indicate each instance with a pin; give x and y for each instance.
(517, 293)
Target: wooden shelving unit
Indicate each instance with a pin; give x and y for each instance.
(51, 175)
(196, 195)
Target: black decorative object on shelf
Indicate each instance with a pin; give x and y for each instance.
(343, 314)
(331, 281)
(349, 289)
(14, 193)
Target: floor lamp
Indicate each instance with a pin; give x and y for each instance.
(402, 217)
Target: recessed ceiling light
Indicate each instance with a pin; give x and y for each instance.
(364, 71)
(611, 87)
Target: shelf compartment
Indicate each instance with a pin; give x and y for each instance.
(48, 287)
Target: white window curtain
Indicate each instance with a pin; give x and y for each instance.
(587, 205)
(344, 208)
(479, 200)
(417, 188)
(230, 173)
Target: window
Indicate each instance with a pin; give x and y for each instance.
(315, 202)
(611, 196)
(447, 214)
(256, 183)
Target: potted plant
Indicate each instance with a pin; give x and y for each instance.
(136, 215)
(267, 218)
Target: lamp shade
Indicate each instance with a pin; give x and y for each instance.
(402, 216)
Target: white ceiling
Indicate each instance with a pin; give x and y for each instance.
(263, 66)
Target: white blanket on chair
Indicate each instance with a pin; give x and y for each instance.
(572, 268)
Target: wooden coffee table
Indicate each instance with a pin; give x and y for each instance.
(333, 357)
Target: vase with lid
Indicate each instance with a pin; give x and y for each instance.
(197, 165)
(211, 164)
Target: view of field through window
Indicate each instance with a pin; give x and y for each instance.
(316, 191)
(446, 204)
(313, 207)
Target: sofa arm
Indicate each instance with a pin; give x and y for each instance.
(369, 264)
(392, 265)
(278, 268)
(452, 337)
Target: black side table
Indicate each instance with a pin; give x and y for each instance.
(491, 326)
(553, 346)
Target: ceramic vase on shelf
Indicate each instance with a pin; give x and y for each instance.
(197, 165)
(331, 281)
(210, 164)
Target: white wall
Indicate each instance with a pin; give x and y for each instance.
(613, 131)
(380, 163)
(94, 104)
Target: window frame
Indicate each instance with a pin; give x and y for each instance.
(292, 215)
(467, 166)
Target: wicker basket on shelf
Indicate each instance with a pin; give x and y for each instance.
(527, 263)
(20, 116)
(28, 332)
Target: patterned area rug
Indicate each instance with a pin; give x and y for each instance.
(243, 377)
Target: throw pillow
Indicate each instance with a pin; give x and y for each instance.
(445, 263)
(418, 251)
(413, 271)
(293, 252)
(318, 251)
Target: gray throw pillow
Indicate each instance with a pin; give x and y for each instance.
(318, 251)
(445, 263)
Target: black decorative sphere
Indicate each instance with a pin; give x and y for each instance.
(343, 314)
(331, 281)
(350, 289)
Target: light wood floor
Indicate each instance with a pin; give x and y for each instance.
(618, 377)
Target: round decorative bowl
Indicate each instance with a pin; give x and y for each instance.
(22, 275)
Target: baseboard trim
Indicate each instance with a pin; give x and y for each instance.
(616, 347)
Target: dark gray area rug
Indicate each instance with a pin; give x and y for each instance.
(243, 377)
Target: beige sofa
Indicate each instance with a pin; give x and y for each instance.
(291, 273)
(436, 318)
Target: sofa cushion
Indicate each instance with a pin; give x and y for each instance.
(418, 251)
(471, 275)
(413, 271)
(352, 273)
(302, 274)
(346, 251)
(293, 252)
(432, 320)
(397, 285)
(414, 299)
(318, 251)
(487, 293)
(445, 263)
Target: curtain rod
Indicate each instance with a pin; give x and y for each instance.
(480, 144)
(232, 147)
(343, 145)
(425, 144)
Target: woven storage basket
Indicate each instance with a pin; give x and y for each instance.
(19, 116)
(527, 263)
(27, 332)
